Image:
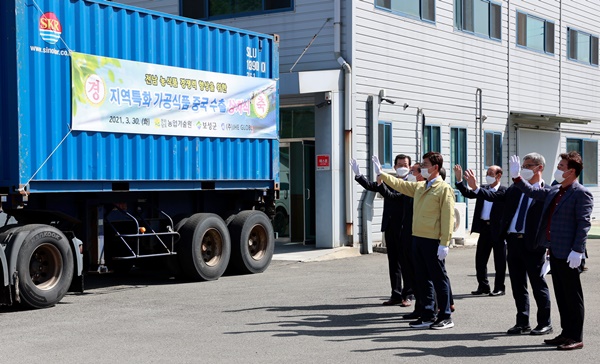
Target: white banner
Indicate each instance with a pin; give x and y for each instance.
(119, 96)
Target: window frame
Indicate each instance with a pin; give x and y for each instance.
(545, 43)
(205, 4)
(385, 146)
(458, 156)
(430, 129)
(590, 49)
(408, 15)
(459, 23)
(485, 157)
(581, 151)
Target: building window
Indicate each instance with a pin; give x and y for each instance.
(535, 33)
(219, 9)
(431, 139)
(421, 9)
(589, 154)
(582, 47)
(385, 144)
(458, 155)
(493, 149)
(481, 17)
(297, 122)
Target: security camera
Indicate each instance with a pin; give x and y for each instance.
(405, 106)
(389, 101)
(483, 117)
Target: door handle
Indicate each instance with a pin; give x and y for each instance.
(308, 193)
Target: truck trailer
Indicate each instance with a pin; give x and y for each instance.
(132, 138)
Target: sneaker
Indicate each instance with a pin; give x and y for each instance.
(421, 324)
(442, 324)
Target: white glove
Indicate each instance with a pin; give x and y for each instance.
(355, 167)
(515, 166)
(376, 165)
(442, 252)
(574, 259)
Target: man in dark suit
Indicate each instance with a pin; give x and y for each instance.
(487, 222)
(525, 258)
(392, 226)
(563, 229)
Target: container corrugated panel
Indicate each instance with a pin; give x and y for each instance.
(38, 148)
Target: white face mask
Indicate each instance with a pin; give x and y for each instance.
(490, 180)
(526, 174)
(425, 173)
(558, 176)
(411, 178)
(402, 171)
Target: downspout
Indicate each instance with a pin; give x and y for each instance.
(369, 196)
(348, 120)
(479, 124)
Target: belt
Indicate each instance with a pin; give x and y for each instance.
(516, 235)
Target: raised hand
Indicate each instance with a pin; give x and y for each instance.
(515, 166)
(471, 180)
(458, 172)
(355, 167)
(376, 165)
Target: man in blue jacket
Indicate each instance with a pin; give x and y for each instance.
(563, 229)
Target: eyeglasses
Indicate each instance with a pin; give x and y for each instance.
(528, 166)
(426, 166)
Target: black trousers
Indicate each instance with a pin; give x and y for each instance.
(432, 279)
(523, 263)
(569, 297)
(485, 245)
(407, 263)
(394, 251)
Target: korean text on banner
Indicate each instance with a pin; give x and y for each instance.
(120, 96)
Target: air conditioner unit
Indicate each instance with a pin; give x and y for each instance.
(460, 216)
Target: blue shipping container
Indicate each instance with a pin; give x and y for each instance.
(42, 148)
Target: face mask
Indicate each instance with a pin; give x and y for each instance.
(402, 171)
(558, 176)
(526, 174)
(490, 180)
(425, 173)
(411, 178)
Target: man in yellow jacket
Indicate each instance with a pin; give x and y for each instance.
(433, 223)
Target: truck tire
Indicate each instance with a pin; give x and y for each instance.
(44, 266)
(204, 247)
(252, 240)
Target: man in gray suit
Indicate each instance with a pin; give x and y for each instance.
(563, 228)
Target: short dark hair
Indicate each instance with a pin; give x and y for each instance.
(443, 173)
(402, 156)
(418, 165)
(435, 159)
(573, 161)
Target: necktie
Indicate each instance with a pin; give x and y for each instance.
(522, 211)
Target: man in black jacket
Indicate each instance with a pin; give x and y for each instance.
(395, 206)
(487, 222)
(520, 221)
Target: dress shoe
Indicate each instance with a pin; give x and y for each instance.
(559, 340)
(570, 344)
(519, 330)
(541, 330)
(406, 303)
(392, 302)
(480, 292)
(411, 316)
(495, 293)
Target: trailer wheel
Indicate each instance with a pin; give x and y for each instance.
(204, 247)
(44, 267)
(253, 242)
